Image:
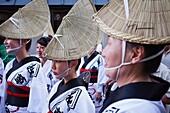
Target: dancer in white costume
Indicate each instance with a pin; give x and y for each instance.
(94, 63)
(134, 51)
(45, 62)
(65, 49)
(25, 84)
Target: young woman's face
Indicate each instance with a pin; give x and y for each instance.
(11, 44)
(40, 49)
(112, 56)
(60, 68)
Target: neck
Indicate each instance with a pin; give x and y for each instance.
(21, 54)
(70, 77)
(43, 60)
(132, 75)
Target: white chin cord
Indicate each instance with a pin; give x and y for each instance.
(17, 48)
(128, 63)
(64, 72)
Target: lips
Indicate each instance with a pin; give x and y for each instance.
(55, 73)
(7, 47)
(39, 54)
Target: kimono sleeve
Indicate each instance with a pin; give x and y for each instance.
(38, 92)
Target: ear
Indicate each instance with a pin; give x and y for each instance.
(137, 54)
(24, 41)
(73, 63)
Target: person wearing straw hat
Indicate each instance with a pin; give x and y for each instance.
(25, 84)
(75, 38)
(45, 62)
(138, 31)
(94, 63)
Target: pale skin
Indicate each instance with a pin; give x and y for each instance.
(21, 53)
(40, 49)
(130, 73)
(59, 67)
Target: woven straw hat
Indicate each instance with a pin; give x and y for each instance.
(137, 21)
(77, 34)
(49, 30)
(28, 22)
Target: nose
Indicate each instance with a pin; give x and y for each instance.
(103, 52)
(53, 67)
(5, 41)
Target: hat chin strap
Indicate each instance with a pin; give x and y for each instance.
(17, 48)
(66, 71)
(122, 62)
(128, 63)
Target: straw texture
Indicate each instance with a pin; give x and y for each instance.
(77, 34)
(49, 30)
(28, 22)
(148, 21)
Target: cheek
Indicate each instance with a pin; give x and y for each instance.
(112, 58)
(111, 74)
(14, 44)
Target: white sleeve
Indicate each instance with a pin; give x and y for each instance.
(38, 93)
(2, 87)
(164, 72)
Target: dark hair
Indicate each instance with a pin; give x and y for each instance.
(44, 40)
(28, 45)
(152, 65)
(2, 40)
(79, 61)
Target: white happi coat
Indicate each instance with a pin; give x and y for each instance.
(51, 79)
(74, 99)
(136, 106)
(28, 74)
(2, 86)
(139, 97)
(97, 62)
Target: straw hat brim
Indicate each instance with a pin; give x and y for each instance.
(79, 34)
(49, 30)
(28, 22)
(148, 21)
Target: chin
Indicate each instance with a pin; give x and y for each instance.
(58, 76)
(9, 52)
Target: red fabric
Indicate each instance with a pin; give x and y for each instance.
(25, 88)
(85, 70)
(15, 94)
(93, 76)
(50, 112)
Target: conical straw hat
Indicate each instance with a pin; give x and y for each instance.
(49, 30)
(28, 22)
(77, 34)
(141, 21)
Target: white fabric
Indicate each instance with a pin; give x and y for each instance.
(101, 80)
(166, 59)
(47, 71)
(135, 106)
(2, 86)
(99, 48)
(83, 103)
(164, 72)
(37, 85)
